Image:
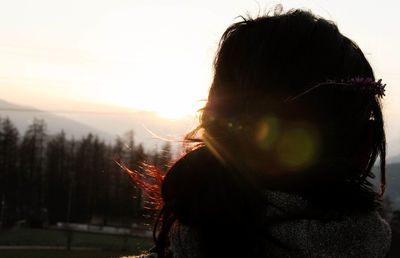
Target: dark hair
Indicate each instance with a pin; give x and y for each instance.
(256, 134)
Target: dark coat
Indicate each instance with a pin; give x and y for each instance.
(342, 235)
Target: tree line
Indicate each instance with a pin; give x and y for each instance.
(49, 178)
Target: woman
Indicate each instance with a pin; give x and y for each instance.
(287, 140)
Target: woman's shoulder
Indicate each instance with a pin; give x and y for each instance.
(327, 233)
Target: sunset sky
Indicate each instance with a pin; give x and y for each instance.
(157, 55)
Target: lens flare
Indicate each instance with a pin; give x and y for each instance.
(267, 132)
(298, 147)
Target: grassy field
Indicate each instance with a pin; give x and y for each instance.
(105, 245)
(62, 254)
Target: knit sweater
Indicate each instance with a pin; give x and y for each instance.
(344, 235)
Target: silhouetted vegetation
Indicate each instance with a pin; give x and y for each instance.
(49, 178)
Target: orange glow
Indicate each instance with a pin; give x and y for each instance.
(298, 147)
(267, 132)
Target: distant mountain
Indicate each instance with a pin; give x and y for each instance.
(149, 128)
(392, 128)
(392, 182)
(106, 121)
(394, 159)
(22, 117)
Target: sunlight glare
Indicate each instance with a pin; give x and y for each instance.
(161, 70)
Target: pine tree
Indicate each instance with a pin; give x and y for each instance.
(32, 155)
(57, 177)
(136, 158)
(82, 179)
(166, 156)
(9, 138)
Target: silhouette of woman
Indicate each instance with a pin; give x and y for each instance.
(286, 143)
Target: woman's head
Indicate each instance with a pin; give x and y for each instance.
(281, 114)
(256, 107)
